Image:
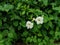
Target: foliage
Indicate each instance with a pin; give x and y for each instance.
(15, 13)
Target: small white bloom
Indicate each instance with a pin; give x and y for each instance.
(33, 19)
(39, 20)
(29, 25)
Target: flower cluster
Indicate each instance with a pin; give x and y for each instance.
(38, 20)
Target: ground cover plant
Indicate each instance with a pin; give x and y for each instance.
(34, 22)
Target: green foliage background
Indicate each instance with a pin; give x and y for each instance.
(15, 13)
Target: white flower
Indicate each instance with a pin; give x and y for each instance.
(29, 25)
(39, 20)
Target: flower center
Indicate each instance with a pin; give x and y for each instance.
(38, 19)
(28, 24)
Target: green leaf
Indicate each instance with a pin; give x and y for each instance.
(57, 8)
(6, 7)
(45, 2)
(5, 33)
(1, 36)
(34, 39)
(50, 24)
(23, 12)
(59, 22)
(28, 39)
(19, 27)
(39, 40)
(52, 32)
(1, 8)
(6, 25)
(15, 23)
(39, 0)
(44, 42)
(36, 28)
(39, 34)
(57, 35)
(40, 43)
(25, 34)
(46, 18)
(2, 41)
(0, 22)
(10, 35)
(51, 41)
(51, 17)
(19, 6)
(8, 43)
(14, 16)
(4, 19)
(23, 23)
(11, 29)
(2, 44)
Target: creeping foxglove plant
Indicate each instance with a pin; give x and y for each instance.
(39, 20)
(14, 22)
(29, 25)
